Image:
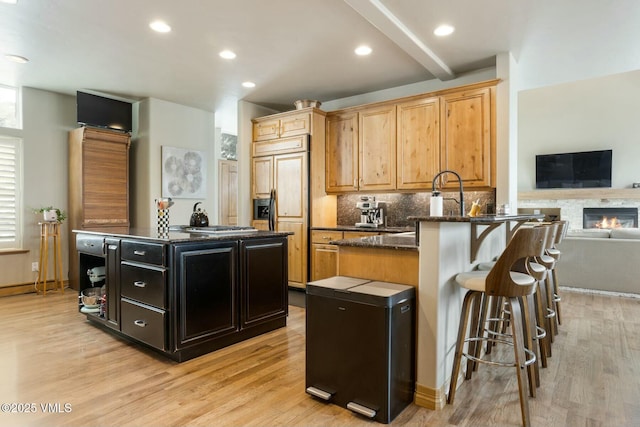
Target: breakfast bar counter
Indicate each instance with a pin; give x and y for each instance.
(447, 246)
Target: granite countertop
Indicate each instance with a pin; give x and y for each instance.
(401, 241)
(367, 229)
(482, 219)
(177, 234)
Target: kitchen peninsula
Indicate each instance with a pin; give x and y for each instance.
(448, 246)
(187, 292)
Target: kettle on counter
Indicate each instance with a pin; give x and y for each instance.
(198, 217)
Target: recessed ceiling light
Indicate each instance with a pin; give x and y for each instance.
(160, 26)
(248, 84)
(227, 54)
(363, 50)
(17, 58)
(443, 30)
(9, 1)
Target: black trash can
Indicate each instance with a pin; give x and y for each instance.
(360, 346)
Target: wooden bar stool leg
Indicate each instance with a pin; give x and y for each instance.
(462, 333)
(553, 330)
(518, 346)
(530, 334)
(541, 309)
(476, 327)
(556, 297)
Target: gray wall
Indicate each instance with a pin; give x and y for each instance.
(594, 114)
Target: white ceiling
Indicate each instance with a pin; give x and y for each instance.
(303, 49)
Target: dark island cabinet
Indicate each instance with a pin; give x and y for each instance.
(206, 284)
(187, 298)
(264, 267)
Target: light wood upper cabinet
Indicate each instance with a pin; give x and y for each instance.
(377, 148)
(402, 144)
(262, 177)
(418, 143)
(342, 152)
(466, 138)
(281, 127)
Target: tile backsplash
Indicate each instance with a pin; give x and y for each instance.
(399, 206)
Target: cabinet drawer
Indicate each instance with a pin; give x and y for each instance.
(143, 323)
(325, 236)
(278, 146)
(90, 244)
(143, 284)
(150, 253)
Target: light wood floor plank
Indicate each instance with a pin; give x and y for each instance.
(50, 354)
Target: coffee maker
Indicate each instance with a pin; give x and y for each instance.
(371, 212)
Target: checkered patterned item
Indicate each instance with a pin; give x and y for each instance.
(163, 220)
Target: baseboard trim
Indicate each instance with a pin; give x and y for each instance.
(26, 288)
(430, 398)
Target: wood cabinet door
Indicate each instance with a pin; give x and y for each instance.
(342, 152)
(105, 183)
(297, 124)
(418, 144)
(297, 251)
(291, 179)
(262, 177)
(466, 136)
(377, 148)
(265, 130)
(206, 280)
(324, 261)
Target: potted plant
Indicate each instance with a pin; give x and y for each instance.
(50, 213)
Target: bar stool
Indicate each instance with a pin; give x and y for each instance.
(546, 286)
(517, 289)
(49, 229)
(555, 253)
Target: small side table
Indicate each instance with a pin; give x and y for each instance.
(50, 229)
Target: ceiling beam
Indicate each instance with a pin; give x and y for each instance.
(388, 24)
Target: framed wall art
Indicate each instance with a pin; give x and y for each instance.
(184, 173)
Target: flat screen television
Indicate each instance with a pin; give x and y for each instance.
(587, 169)
(98, 111)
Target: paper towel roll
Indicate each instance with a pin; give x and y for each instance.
(435, 206)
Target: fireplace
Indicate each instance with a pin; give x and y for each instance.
(610, 218)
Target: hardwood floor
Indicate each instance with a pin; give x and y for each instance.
(50, 355)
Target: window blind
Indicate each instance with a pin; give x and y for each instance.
(10, 176)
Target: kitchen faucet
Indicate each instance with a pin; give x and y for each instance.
(435, 178)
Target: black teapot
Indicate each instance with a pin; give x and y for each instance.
(198, 217)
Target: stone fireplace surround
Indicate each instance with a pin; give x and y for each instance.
(571, 202)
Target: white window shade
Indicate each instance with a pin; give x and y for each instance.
(10, 202)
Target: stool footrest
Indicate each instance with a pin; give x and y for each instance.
(531, 356)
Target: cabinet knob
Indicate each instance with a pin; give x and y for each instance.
(139, 284)
(140, 323)
(141, 253)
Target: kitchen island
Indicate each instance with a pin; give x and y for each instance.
(448, 246)
(186, 292)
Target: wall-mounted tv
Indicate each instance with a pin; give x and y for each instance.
(587, 169)
(98, 111)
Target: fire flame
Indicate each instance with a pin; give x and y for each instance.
(608, 223)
